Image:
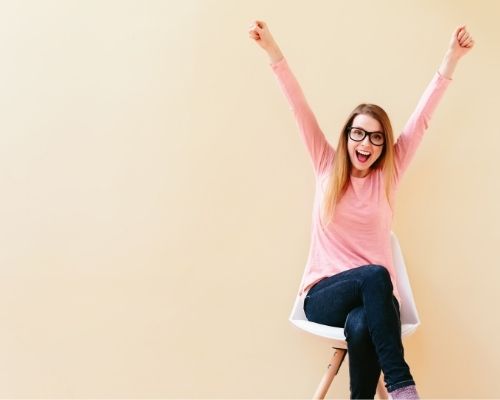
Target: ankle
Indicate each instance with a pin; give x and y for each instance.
(405, 393)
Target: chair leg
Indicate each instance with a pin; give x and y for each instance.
(381, 390)
(332, 369)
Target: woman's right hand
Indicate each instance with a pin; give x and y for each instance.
(259, 32)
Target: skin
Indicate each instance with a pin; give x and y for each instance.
(460, 44)
(369, 124)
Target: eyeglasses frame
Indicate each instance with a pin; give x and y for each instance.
(349, 128)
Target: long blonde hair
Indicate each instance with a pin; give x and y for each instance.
(341, 168)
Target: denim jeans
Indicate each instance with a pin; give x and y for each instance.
(361, 301)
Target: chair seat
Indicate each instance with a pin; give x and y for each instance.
(409, 315)
(337, 334)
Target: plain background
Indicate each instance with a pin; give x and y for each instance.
(156, 196)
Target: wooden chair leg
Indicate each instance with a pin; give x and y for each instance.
(381, 390)
(332, 369)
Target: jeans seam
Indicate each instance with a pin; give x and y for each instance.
(397, 385)
(345, 325)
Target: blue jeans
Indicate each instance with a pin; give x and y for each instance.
(362, 302)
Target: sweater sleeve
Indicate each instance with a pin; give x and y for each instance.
(320, 151)
(411, 136)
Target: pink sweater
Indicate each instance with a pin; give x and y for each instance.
(360, 232)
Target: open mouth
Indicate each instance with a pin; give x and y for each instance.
(363, 156)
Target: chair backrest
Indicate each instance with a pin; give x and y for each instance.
(409, 314)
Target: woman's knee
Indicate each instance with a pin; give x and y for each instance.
(377, 274)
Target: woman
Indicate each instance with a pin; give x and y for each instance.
(350, 280)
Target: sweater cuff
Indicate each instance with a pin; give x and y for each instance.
(277, 64)
(443, 77)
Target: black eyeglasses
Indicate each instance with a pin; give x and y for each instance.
(358, 134)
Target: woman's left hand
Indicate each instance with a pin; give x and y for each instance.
(461, 42)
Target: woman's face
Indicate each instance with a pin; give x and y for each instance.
(361, 168)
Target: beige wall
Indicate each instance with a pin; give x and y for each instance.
(156, 196)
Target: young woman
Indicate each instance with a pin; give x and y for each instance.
(350, 280)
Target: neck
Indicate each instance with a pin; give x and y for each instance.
(360, 174)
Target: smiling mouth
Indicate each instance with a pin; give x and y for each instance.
(362, 158)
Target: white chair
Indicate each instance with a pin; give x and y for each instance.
(409, 322)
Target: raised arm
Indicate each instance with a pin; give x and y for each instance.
(460, 44)
(320, 151)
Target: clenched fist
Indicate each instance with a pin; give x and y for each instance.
(461, 42)
(259, 32)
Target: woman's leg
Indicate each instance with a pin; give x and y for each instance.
(330, 301)
(364, 369)
(384, 323)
